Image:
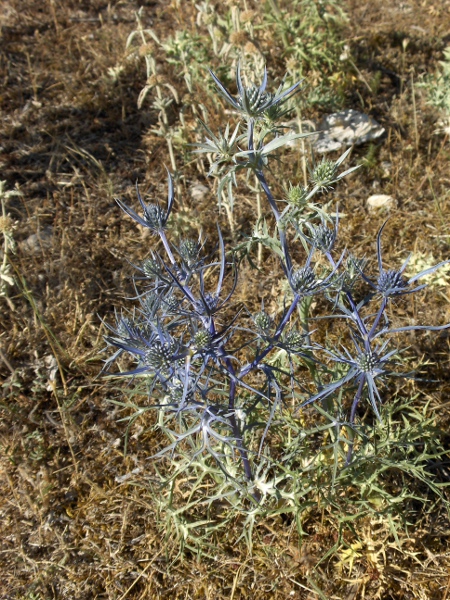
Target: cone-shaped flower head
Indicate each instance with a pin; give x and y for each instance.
(253, 101)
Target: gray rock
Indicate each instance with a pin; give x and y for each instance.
(42, 240)
(198, 191)
(346, 128)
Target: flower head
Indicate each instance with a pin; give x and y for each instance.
(222, 146)
(297, 195)
(364, 365)
(293, 341)
(303, 280)
(253, 100)
(159, 356)
(321, 236)
(263, 321)
(154, 218)
(324, 174)
(392, 283)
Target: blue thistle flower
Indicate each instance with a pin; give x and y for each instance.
(254, 101)
(304, 282)
(263, 322)
(155, 218)
(365, 367)
(393, 283)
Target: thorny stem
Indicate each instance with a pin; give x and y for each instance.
(377, 318)
(273, 205)
(162, 235)
(355, 403)
(304, 307)
(232, 416)
(276, 214)
(250, 366)
(234, 424)
(258, 216)
(231, 407)
(359, 321)
(283, 241)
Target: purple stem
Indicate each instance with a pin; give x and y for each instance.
(276, 214)
(355, 403)
(234, 424)
(162, 235)
(245, 370)
(378, 317)
(359, 321)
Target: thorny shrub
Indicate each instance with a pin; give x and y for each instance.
(232, 392)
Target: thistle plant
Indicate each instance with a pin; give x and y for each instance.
(224, 379)
(176, 67)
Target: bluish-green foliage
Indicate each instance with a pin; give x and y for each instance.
(219, 375)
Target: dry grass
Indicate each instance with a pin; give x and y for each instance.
(71, 138)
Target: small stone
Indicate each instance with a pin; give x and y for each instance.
(42, 240)
(386, 166)
(380, 201)
(198, 192)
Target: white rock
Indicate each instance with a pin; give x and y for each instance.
(386, 166)
(198, 191)
(346, 128)
(52, 369)
(42, 240)
(380, 201)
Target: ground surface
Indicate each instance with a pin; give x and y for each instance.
(72, 138)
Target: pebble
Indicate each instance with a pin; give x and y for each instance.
(198, 191)
(380, 201)
(42, 240)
